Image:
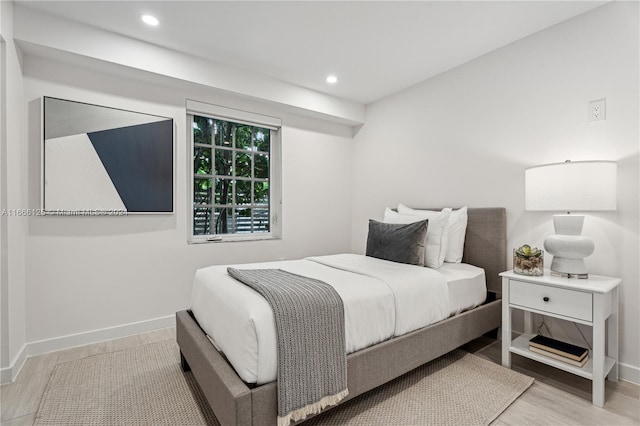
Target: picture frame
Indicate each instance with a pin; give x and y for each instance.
(99, 160)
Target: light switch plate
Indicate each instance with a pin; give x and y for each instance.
(597, 110)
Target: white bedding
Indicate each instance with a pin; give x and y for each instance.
(381, 299)
(467, 286)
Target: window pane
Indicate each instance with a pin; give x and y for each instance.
(223, 221)
(202, 127)
(243, 137)
(202, 161)
(201, 221)
(243, 164)
(261, 139)
(261, 168)
(202, 191)
(243, 192)
(243, 221)
(235, 195)
(261, 192)
(223, 162)
(224, 133)
(224, 191)
(261, 220)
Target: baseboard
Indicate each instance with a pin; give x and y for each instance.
(9, 374)
(95, 336)
(629, 373)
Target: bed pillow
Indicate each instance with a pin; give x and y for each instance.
(456, 232)
(436, 242)
(402, 243)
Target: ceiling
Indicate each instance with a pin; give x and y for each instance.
(374, 48)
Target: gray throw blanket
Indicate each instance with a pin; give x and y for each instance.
(312, 360)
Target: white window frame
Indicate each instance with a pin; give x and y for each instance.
(275, 169)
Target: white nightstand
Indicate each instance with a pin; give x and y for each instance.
(592, 301)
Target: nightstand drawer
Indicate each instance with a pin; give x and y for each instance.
(559, 301)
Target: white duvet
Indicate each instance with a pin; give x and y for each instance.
(381, 299)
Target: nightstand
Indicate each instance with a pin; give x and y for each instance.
(592, 301)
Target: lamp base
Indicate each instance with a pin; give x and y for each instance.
(568, 247)
(563, 275)
(568, 268)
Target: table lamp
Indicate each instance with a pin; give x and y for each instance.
(570, 186)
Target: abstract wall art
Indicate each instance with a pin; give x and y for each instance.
(101, 160)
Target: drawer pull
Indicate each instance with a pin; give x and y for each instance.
(546, 299)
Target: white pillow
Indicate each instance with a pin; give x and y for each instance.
(457, 231)
(436, 241)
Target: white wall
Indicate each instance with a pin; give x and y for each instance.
(90, 273)
(12, 196)
(466, 136)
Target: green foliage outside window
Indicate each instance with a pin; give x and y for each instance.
(231, 177)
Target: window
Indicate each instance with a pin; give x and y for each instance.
(234, 174)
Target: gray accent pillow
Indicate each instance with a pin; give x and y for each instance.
(397, 242)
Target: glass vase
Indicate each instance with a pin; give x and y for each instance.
(528, 265)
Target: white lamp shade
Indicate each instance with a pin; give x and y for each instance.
(571, 186)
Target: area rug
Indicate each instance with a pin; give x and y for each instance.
(456, 389)
(138, 386)
(145, 386)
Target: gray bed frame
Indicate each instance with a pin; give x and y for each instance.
(236, 403)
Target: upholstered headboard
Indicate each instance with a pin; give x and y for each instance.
(485, 243)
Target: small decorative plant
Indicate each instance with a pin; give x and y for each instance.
(528, 260)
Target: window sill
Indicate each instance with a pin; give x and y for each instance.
(230, 238)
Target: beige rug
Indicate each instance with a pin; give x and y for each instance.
(145, 386)
(138, 386)
(456, 389)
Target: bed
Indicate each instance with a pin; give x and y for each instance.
(235, 402)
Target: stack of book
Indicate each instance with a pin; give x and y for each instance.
(566, 352)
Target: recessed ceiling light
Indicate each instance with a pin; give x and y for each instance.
(332, 79)
(150, 20)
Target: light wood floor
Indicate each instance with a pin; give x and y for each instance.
(555, 398)
(560, 398)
